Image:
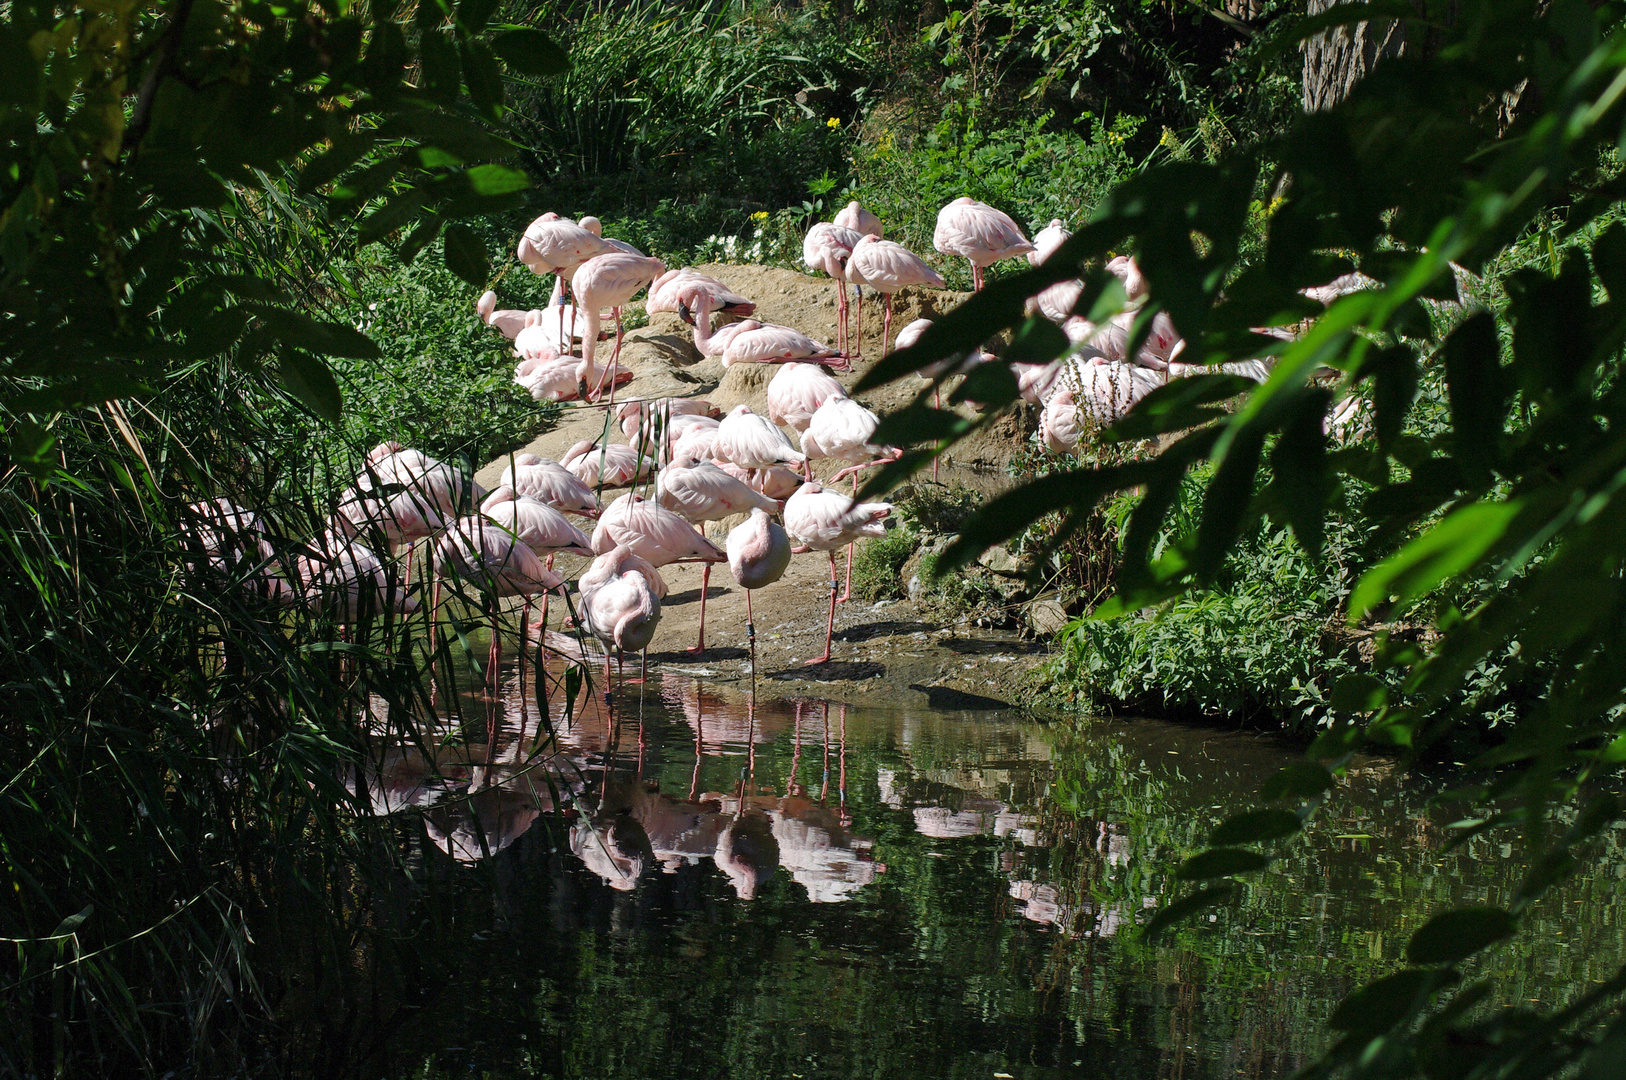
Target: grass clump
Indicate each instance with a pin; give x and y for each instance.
(878, 565)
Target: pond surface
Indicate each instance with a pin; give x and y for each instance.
(726, 885)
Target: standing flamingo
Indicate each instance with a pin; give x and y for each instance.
(758, 555)
(553, 245)
(753, 442)
(842, 429)
(539, 527)
(638, 417)
(618, 606)
(887, 267)
(853, 216)
(978, 233)
(776, 482)
(609, 281)
(699, 492)
(827, 247)
(652, 532)
(824, 521)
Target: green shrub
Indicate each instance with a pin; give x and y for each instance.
(879, 562)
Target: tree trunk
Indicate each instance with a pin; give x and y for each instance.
(1338, 58)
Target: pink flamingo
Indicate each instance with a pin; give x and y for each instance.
(508, 322)
(638, 416)
(609, 465)
(887, 267)
(539, 527)
(827, 247)
(652, 532)
(936, 370)
(609, 281)
(699, 492)
(758, 343)
(1127, 270)
(795, 393)
(625, 559)
(233, 542)
(978, 233)
(824, 521)
(758, 556)
(550, 482)
(346, 578)
(618, 606)
(842, 429)
(776, 482)
(853, 216)
(697, 442)
(679, 291)
(1057, 301)
(596, 227)
(753, 442)
(555, 245)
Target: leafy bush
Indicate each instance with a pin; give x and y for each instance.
(878, 563)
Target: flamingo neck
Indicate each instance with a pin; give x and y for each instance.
(702, 324)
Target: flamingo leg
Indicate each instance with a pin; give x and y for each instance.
(830, 625)
(705, 582)
(860, 353)
(886, 324)
(750, 632)
(608, 374)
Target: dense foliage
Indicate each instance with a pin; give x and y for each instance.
(1512, 507)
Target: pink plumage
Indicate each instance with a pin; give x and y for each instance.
(552, 483)
(795, 393)
(825, 520)
(853, 216)
(537, 525)
(699, 491)
(609, 281)
(621, 610)
(609, 464)
(507, 322)
(753, 442)
(758, 551)
(887, 267)
(978, 233)
(677, 290)
(652, 532)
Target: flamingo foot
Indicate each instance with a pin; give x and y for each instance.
(825, 659)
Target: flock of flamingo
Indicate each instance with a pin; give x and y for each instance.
(704, 466)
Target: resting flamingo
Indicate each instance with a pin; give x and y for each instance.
(507, 322)
(698, 442)
(550, 482)
(554, 245)
(607, 465)
(678, 291)
(345, 578)
(636, 415)
(853, 216)
(887, 267)
(978, 233)
(824, 520)
(652, 532)
(753, 442)
(842, 429)
(796, 391)
(698, 492)
(596, 227)
(758, 343)
(609, 281)
(776, 481)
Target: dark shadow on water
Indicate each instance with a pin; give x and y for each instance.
(835, 671)
(692, 596)
(952, 700)
(880, 629)
(983, 647)
(711, 653)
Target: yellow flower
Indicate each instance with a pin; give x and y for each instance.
(833, 122)
(760, 215)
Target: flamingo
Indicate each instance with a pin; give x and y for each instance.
(827, 247)
(698, 442)
(550, 482)
(534, 523)
(233, 539)
(346, 578)
(841, 429)
(754, 342)
(653, 533)
(1058, 300)
(853, 216)
(553, 245)
(824, 521)
(636, 416)
(753, 442)
(626, 559)
(609, 281)
(937, 369)
(776, 482)
(596, 227)
(699, 492)
(887, 267)
(758, 555)
(494, 559)
(609, 465)
(978, 233)
(796, 391)
(618, 606)
(508, 322)
(1127, 270)
(678, 291)
(404, 494)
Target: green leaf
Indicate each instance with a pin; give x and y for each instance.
(989, 385)
(1255, 826)
(472, 15)
(1452, 547)
(1303, 476)
(1181, 404)
(309, 380)
(483, 76)
(497, 180)
(1476, 386)
(1459, 933)
(1300, 780)
(328, 339)
(530, 52)
(466, 256)
(1379, 1006)
(1358, 693)
(441, 73)
(1037, 341)
(1187, 906)
(1220, 862)
(29, 445)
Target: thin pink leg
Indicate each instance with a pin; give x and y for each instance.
(705, 582)
(886, 325)
(860, 353)
(830, 626)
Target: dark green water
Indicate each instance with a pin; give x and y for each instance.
(841, 891)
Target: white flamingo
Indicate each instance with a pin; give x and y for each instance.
(842, 429)
(753, 342)
(827, 247)
(679, 291)
(753, 442)
(795, 393)
(618, 606)
(609, 464)
(758, 555)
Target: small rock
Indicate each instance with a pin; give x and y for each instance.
(1001, 561)
(1046, 616)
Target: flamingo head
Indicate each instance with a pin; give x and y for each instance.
(383, 450)
(486, 304)
(503, 494)
(592, 225)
